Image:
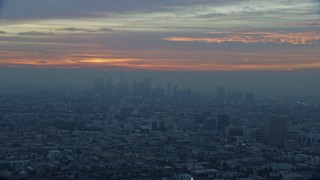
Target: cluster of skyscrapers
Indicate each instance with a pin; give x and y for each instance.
(107, 88)
(123, 88)
(224, 95)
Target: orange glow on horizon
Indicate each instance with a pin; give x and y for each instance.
(105, 61)
(175, 65)
(166, 59)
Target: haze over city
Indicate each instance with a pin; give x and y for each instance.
(167, 89)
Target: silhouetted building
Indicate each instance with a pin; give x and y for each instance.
(277, 130)
(175, 90)
(221, 94)
(135, 89)
(109, 87)
(158, 92)
(210, 123)
(98, 86)
(145, 87)
(223, 122)
(317, 173)
(235, 96)
(154, 125)
(199, 118)
(158, 125)
(249, 97)
(162, 125)
(234, 131)
(123, 87)
(169, 90)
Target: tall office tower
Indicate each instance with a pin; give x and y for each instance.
(236, 96)
(223, 122)
(210, 123)
(126, 87)
(98, 86)
(121, 77)
(169, 90)
(317, 173)
(158, 92)
(145, 87)
(162, 125)
(277, 130)
(154, 125)
(249, 97)
(199, 118)
(221, 94)
(175, 91)
(123, 87)
(135, 88)
(109, 87)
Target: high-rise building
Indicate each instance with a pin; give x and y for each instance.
(147, 86)
(123, 87)
(223, 122)
(175, 91)
(154, 125)
(158, 92)
(221, 94)
(109, 87)
(169, 90)
(235, 96)
(210, 123)
(162, 125)
(98, 86)
(277, 130)
(135, 88)
(249, 97)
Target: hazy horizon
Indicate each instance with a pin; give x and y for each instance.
(266, 83)
(266, 47)
(201, 89)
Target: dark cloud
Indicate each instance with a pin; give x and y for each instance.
(73, 29)
(44, 9)
(106, 29)
(307, 24)
(35, 33)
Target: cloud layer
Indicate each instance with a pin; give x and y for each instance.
(140, 34)
(255, 37)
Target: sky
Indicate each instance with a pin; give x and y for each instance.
(166, 35)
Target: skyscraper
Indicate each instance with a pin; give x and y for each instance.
(223, 122)
(249, 97)
(145, 87)
(109, 87)
(98, 86)
(123, 86)
(210, 123)
(135, 88)
(277, 130)
(221, 94)
(169, 89)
